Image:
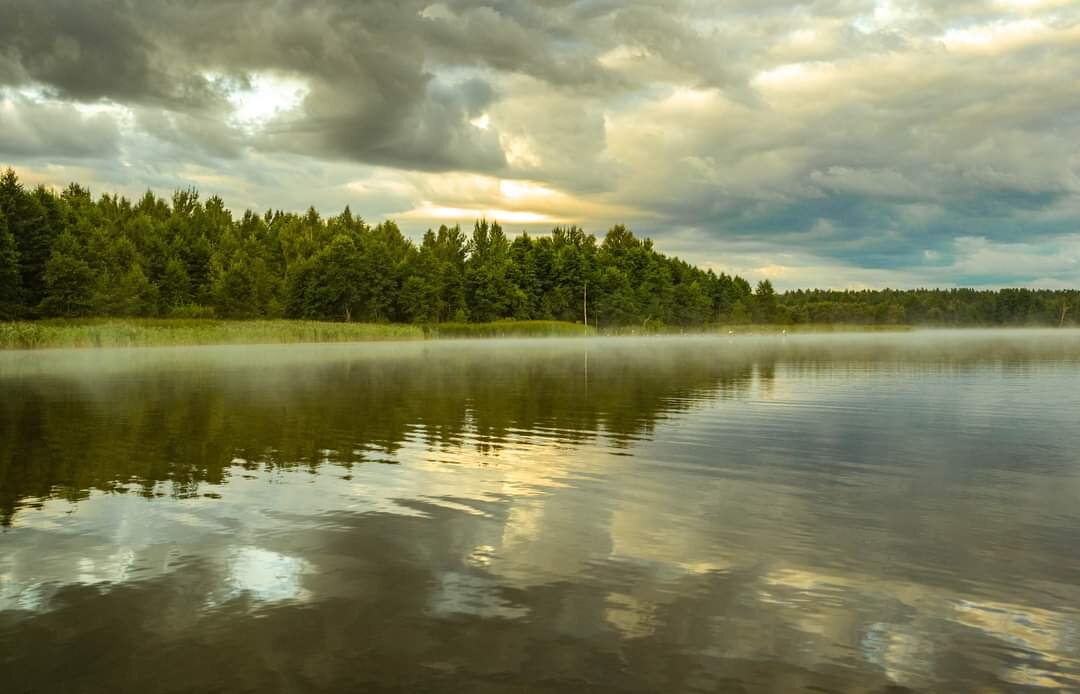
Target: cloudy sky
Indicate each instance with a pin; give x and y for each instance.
(840, 143)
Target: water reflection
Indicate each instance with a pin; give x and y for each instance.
(840, 514)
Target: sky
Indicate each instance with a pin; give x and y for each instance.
(831, 143)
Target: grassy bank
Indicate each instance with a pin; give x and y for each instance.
(531, 328)
(754, 329)
(165, 332)
(178, 332)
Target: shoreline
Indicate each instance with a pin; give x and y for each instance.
(121, 333)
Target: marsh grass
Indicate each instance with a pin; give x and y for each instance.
(182, 332)
(750, 329)
(531, 328)
(163, 332)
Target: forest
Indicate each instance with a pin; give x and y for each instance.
(68, 255)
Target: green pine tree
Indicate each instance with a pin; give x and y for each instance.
(69, 280)
(10, 277)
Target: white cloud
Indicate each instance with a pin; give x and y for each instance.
(265, 98)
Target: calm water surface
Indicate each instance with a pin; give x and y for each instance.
(872, 513)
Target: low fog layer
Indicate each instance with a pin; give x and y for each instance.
(275, 361)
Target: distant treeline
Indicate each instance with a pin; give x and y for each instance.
(69, 255)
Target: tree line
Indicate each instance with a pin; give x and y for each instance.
(69, 255)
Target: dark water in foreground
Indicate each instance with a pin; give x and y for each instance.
(870, 513)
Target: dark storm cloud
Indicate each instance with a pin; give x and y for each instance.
(429, 133)
(84, 49)
(194, 131)
(547, 43)
(90, 49)
(373, 94)
(54, 130)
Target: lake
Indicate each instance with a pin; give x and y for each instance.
(877, 512)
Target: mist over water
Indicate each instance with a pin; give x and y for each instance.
(844, 512)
